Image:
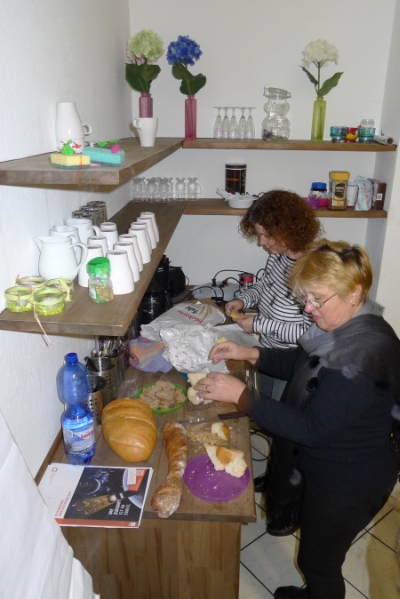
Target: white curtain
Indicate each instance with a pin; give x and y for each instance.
(35, 559)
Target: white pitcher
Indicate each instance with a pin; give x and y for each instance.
(57, 257)
(70, 128)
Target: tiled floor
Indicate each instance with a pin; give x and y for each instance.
(371, 569)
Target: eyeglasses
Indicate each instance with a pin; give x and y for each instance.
(316, 304)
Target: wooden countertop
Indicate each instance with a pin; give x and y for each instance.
(241, 509)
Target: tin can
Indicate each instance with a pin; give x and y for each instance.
(235, 178)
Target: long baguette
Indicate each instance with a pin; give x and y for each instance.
(167, 497)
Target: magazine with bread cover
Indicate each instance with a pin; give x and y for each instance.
(100, 496)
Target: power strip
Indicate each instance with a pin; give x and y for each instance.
(223, 292)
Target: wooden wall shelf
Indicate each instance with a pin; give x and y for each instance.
(37, 170)
(83, 316)
(291, 144)
(215, 206)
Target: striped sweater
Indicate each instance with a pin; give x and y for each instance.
(281, 320)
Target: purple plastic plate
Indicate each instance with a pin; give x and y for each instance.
(205, 482)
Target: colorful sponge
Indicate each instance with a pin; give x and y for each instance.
(71, 162)
(113, 157)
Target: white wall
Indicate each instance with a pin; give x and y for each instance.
(69, 49)
(52, 51)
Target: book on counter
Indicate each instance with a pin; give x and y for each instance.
(99, 496)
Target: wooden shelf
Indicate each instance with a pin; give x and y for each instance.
(215, 206)
(292, 144)
(83, 316)
(37, 170)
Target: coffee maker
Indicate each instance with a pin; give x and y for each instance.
(157, 299)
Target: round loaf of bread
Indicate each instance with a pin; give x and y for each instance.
(129, 429)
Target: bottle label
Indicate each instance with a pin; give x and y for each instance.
(78, 441)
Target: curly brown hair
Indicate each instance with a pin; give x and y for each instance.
(285, 217)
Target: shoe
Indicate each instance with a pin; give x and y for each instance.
(283, 523)
(259, 483)
(291, 593)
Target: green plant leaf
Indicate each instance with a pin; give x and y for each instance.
(310, 76)
(329, 84)
(140, 76)
(191, 84)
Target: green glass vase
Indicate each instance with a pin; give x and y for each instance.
(318, 120)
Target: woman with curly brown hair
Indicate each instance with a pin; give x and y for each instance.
(285, 225)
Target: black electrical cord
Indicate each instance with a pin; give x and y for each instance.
(214, 278)
(218, 300)
(233, 279)
(258, 273)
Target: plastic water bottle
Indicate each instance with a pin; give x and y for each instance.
(73, 385)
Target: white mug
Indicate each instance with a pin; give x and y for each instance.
(150, 229)
(121, 273)
(351, 194)
(93, 251)
(147, 129)
(144, 241)
(85, 227)
(98, 240)
(127, 246)
(109, 231)
(70, 128)
(133, 239)
(153, 218)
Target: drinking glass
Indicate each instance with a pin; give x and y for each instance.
(233, 126)
(250, 132)
(171, 188)
(152, 189)
(217, 133)
(242, 125)
(164, 190)
(180, 188)
(193, 189)
(138, 188)
(225, 124)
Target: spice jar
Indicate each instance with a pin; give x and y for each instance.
(48, 301)
(317, 195)
(100, 284)
(18, 298)
(338, 190)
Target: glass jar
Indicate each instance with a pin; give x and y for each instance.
(276, 127)
(317, 195)
(48, 301)
(31, 282)
(18, 298)
(338, 190)
(65, 285)
(100, 284)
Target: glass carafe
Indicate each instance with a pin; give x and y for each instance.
(276, 127)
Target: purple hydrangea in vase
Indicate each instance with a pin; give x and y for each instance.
(182, 54)
(142, 51)
(320, 53)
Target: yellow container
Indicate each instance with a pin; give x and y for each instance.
(338, 190)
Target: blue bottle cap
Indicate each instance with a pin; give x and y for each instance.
(318, 185)
(71, 358)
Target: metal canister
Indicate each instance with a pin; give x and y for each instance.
(235, 178)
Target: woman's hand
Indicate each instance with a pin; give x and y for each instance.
(233, 306)
(245, 322)
(229, 350)
(220, 387)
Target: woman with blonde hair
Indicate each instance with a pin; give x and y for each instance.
(336, 411)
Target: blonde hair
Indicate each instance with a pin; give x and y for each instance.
(336, 264)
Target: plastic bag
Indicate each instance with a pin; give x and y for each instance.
(187, 348)
(365, 193)
(197, 313)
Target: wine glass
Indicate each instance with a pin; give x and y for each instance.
(218, 124)
(225, 124)
(180, 188)
(233, 126)
(250, 132)
(242, 125)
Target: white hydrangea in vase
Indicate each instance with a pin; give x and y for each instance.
(320, 53)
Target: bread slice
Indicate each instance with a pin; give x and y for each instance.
(230, 460)
(194, 378)
(221, 430)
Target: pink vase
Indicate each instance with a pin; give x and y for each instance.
(145, 105)
(190, 118)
